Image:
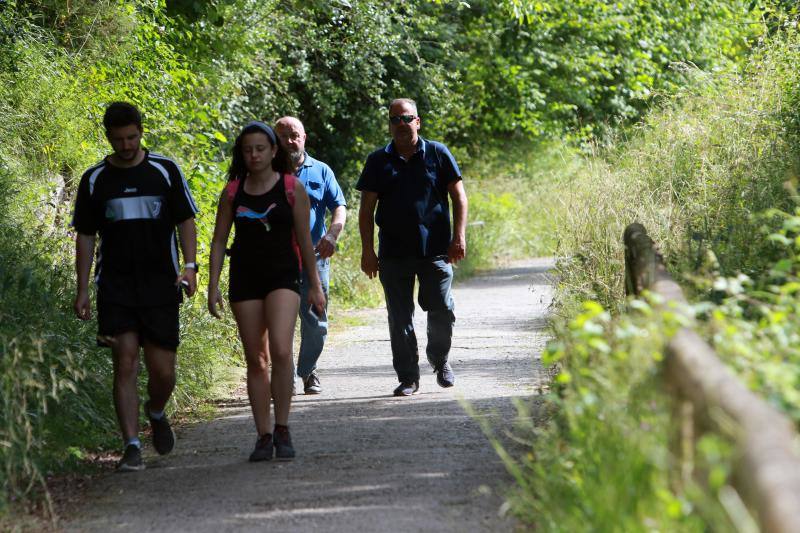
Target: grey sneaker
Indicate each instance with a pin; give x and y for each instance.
(444, 376)
(407, 389)
(311, 383)
(131, 460)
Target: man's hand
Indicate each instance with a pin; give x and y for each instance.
(84, 251)
(316, 298)
(457, 249)
(82, 308)
(190, 277)
(369, 263)
(326, 246)
(458, 246)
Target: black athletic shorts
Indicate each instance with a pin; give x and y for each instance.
(157, 325)
(256, 285)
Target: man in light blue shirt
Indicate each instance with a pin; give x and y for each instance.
(325, 194)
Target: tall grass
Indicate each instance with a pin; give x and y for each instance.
(696, 174)
(510, 213)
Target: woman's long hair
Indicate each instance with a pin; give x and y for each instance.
(238, 168)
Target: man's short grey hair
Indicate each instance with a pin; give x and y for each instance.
(288, 119)
(408, 101)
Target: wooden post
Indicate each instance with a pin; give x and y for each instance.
(767, 469)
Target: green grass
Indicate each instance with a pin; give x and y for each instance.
(344, 321)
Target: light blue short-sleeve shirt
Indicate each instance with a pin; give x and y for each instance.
(323, 193)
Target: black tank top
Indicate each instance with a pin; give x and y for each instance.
(263, 230)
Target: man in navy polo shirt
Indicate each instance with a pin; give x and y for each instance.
(410, 181)
(325, 194)
(134, 199)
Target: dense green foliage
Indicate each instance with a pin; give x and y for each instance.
(712, 176)
(590, 64)
(754, 328)
(483, 72)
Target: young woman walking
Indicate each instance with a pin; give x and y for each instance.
(270, 210)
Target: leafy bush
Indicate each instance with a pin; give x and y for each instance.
(56, 392)
(550, 67)
(600, 453)
(754, 326)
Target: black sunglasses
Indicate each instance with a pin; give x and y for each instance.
(408, 119)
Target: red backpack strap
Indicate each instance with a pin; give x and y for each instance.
(231, 189)
(288, 184)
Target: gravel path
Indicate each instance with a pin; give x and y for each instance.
(367, 462)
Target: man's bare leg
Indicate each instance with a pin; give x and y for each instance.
(125, 352)
(160, 363)
(161, 375)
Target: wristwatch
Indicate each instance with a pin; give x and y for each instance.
(193, 266)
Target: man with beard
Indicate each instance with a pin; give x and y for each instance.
(410, 180)
(134, 199)
(325, 194)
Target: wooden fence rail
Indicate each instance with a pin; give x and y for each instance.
(709, 398)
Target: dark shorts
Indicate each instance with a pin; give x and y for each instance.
(157, 325)
(256, 285)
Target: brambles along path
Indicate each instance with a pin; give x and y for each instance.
(366, 461)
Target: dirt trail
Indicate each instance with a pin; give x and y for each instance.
(367, 462)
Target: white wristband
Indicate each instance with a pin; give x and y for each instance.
(193, 266)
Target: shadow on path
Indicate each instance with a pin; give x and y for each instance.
(366, 461)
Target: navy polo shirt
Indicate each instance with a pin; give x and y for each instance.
(413, 212)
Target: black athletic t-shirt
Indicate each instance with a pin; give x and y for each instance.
(135, 211)
(263, 238)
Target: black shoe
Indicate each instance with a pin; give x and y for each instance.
(311, 383)
(444, 376)
(407, 388)
(163, 436)
(131, 459)
(284, 451)
(263, 449)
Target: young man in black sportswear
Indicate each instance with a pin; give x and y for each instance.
(134, 199)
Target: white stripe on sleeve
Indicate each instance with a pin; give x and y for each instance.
(185, 184)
